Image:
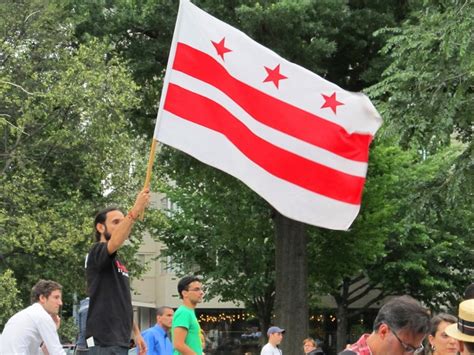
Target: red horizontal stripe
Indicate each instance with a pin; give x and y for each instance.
(271, 111)
(278, 162)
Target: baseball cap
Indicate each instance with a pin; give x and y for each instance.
(273, 330)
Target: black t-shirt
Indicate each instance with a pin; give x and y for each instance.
(110, 315)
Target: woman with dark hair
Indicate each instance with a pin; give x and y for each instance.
(440, 342)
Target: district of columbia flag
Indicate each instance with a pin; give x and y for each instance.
(299, 141)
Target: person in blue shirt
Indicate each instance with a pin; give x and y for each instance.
(156, 338)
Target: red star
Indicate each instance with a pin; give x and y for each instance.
(221, 48)
(331, 102)
(274, 75)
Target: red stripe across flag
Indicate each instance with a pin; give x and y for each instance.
(296, 139)
(271, 111)
(281, 163)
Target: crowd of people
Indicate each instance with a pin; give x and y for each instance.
(403, 326)
(105, 317)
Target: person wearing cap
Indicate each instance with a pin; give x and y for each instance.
(399, 328)
(464, 329)
(275, 336)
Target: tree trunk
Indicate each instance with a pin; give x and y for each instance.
(342, 317)
(291, 299)
(342, 324)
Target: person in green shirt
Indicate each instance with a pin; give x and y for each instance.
(185, 328)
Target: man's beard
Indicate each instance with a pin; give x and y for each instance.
(107, 235)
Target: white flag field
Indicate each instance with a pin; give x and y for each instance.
(296, 139)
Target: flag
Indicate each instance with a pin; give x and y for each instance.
(293, 137)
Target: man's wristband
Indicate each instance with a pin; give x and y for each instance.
(132, 216)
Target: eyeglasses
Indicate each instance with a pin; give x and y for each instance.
(197, 289)
(408, 348)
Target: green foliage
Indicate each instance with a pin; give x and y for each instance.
(300, 31)
(436, 242)
(341, 255)
(67, 143)
(426, 93)
(407, 238)
(9, 302)
(68, 331)
(427, 100)
(141, 31)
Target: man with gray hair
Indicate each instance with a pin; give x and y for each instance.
(33, 331)
(157, 337)
(399, 328)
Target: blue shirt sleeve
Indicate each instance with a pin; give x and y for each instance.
(149, 338)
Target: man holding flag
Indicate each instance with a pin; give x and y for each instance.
(110, 315)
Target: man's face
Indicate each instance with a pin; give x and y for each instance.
(194, 293)
(275, 338)
(53, 303)
(396, 342)
(165, 319)
(112, 220)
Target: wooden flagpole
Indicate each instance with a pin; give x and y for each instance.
(149, 169)
(151, 159)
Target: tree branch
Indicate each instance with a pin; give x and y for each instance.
(11, 124)
(20, 87)
(148, 33)
(9, 160)
(28, 17)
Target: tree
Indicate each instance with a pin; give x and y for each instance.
(66, 141)
(141, 31)
(427, 98)
(9, 302)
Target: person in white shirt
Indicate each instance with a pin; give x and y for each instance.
(33, 330)
(275, 336)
